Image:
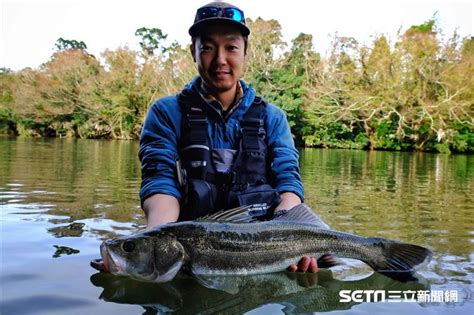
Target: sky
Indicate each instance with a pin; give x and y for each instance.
(29, 28)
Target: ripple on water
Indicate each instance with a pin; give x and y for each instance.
(84, 187)
(14, 184)
(27, 209)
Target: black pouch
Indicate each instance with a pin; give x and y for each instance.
(201, 199)
(263, 199)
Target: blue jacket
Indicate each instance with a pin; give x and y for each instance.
(162, 130)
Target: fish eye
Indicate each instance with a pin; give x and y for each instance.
(128, 246)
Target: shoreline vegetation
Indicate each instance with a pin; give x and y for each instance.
(415, 93)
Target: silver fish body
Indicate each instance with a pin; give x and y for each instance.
(211, 247)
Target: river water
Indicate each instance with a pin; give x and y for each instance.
(60, 198)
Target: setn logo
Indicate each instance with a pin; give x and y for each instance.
(359, 296)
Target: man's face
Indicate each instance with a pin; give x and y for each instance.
(220, 56)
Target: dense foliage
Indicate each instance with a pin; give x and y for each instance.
(416, 93)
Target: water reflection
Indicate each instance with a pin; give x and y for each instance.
(59, 196)
(83, 179)
(423, 198)
(298, 293)
(64, 250)
(75, 229)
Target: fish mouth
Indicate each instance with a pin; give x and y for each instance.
(110, 264)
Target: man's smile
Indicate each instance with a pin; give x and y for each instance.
(220, 75)
(221, 72)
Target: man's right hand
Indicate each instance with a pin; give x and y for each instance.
(305, 264)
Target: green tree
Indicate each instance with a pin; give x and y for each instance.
(69, 44)
(7, 114)
(266, 42)
(151, 40)
(415, 93)
(293, 79)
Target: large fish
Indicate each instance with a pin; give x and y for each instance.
(229, 243)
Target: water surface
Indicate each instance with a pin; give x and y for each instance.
(59, 198)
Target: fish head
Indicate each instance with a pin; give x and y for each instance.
(128, 256)
(143, 257)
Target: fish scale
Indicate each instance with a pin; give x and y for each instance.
(263, 247)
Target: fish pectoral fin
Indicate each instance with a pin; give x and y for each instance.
(222, 283)
(170, 273)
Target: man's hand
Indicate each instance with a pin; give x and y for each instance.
(288, 201)
(305, 264)
(160, 209)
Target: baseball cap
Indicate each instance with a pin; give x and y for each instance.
(218, 12)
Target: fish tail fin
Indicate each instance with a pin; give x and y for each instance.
(399, 260)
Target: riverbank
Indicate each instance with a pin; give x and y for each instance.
(411, 93)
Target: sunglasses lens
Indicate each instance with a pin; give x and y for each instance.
(234, 14)
(206, 13)
(211, 12)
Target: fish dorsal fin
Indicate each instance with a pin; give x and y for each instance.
(301, 213)
(235, 215)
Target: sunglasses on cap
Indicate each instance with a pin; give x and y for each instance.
(212, 12)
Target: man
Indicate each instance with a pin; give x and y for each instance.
(216, 145)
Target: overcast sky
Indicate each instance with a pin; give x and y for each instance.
(30, 28)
